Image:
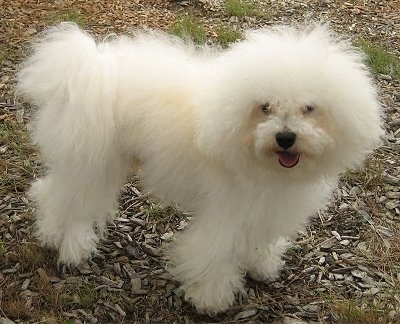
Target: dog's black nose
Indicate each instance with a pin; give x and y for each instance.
(285, 139)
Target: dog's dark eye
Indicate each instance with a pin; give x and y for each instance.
(265, 108)
(309, 109)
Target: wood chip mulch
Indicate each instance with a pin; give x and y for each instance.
(346, 260)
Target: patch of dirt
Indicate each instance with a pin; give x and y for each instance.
(350, 253)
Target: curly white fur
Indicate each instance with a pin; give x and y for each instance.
(204, 124)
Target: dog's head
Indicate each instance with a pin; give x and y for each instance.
(298, 103)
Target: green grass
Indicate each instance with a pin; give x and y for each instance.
(369, 177)
(379, 59)
(69, 15)
(240, 8)
(157, 211)
(86, 295)
(361, 312)
(188, 27)
(14, 136)
(15, 170)
(227, 35)
(9, 52)
(14, 307)
(5, 55)
(33, 256)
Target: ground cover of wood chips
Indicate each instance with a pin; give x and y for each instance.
(344, 267)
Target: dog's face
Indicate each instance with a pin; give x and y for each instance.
(296, 105)
(288, 134)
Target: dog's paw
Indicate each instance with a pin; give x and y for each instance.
(77, 247)
(51, 240)
(266, 264)
(214, 296)
(266, 271)
(210, 301)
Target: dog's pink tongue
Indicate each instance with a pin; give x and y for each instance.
(288, 160)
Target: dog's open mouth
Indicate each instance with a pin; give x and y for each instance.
(287, 159)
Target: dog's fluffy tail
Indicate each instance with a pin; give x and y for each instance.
(71, 79)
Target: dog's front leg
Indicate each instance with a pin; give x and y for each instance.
(205, 262)
(265, 260)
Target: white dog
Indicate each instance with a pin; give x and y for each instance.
(252, 139)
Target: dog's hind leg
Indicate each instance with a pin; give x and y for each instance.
(76, 131)
(73, 203)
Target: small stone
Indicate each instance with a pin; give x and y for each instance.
(362, 246)
(336, 235)
(345, 242)
(25, 284)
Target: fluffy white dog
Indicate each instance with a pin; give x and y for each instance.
(252, 139)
